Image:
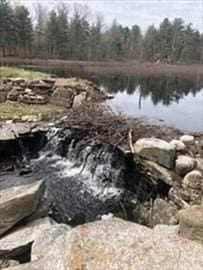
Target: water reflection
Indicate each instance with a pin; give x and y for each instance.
(165, 90)
(177, 100)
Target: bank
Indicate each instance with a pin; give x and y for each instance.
(97, 185)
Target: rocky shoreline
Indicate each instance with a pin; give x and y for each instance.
(73, 196)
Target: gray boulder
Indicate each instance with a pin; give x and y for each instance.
(191, 223)
(18, 202)
(156, 171)
(160, 212)
(116, 244)
(178, 145)
(42, 231)
(187, 139)
(156, 150)
(185, 164)
(194, 180)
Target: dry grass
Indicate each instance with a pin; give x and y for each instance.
(12, 72)
(124, 67)
(10, 110)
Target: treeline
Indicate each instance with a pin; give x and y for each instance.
(61, 33)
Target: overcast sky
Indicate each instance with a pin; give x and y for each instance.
(140, 12)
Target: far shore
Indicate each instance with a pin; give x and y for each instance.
(116, 67)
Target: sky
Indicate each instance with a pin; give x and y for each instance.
(140, 12)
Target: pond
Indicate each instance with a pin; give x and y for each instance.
(176, 100)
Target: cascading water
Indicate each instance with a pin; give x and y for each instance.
(84, 179)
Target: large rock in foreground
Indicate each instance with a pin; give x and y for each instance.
(156, 150)
(18, 202)
(116, 244)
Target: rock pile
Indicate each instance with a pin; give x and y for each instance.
(111, 244)
(172, 164)
(30, 239)
(63, 92)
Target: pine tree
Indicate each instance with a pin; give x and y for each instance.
(7, 31)
(24, 30)
(51, 32)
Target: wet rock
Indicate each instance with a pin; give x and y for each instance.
(191, 223)
(194, 180)
(157, 172)
(185, 164)
(164, 213)
(176, 197)
(18, 202)
(79, 99)
(160, 212)
(156, 150)
(187, 139)
(178, 145)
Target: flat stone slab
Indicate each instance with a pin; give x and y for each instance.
(156, 150)
(18, 202)
(12, 131)
(41, 233)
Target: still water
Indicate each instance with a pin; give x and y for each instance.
(176, 101)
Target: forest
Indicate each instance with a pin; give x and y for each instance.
(70, 32)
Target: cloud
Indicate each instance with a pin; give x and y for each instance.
(141, 12)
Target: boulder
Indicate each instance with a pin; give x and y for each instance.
(62, 97)
(187, 139)
(156, 171)
(185, 164)
(178, 145)
(191, 223)
(160, 212)
(55, 237)
(47, 238)
(18, 202)
(199, 164)
(79, 99)
(115, 244)
(156, 150)
(194, 180)
(164, 212)
(18, 241)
